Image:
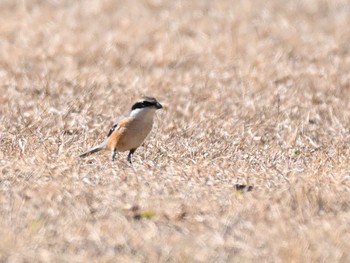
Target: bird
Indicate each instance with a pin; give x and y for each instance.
(129, 132)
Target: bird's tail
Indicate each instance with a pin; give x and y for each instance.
(95, 149)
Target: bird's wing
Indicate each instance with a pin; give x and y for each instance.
(116, 131)
(114, 126)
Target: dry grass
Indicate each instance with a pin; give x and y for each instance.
(257, 92)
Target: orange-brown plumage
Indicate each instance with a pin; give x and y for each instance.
(114, 141)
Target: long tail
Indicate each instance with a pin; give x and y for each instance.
(95, 149)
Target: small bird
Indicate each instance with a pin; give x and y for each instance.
(128, 133)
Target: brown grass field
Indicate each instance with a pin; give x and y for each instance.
(255, 92)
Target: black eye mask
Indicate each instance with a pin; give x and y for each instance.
(143, 104)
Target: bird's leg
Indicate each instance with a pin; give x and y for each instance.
(113, 154)
(130, 155)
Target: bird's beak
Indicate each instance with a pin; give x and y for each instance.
(159, 106)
